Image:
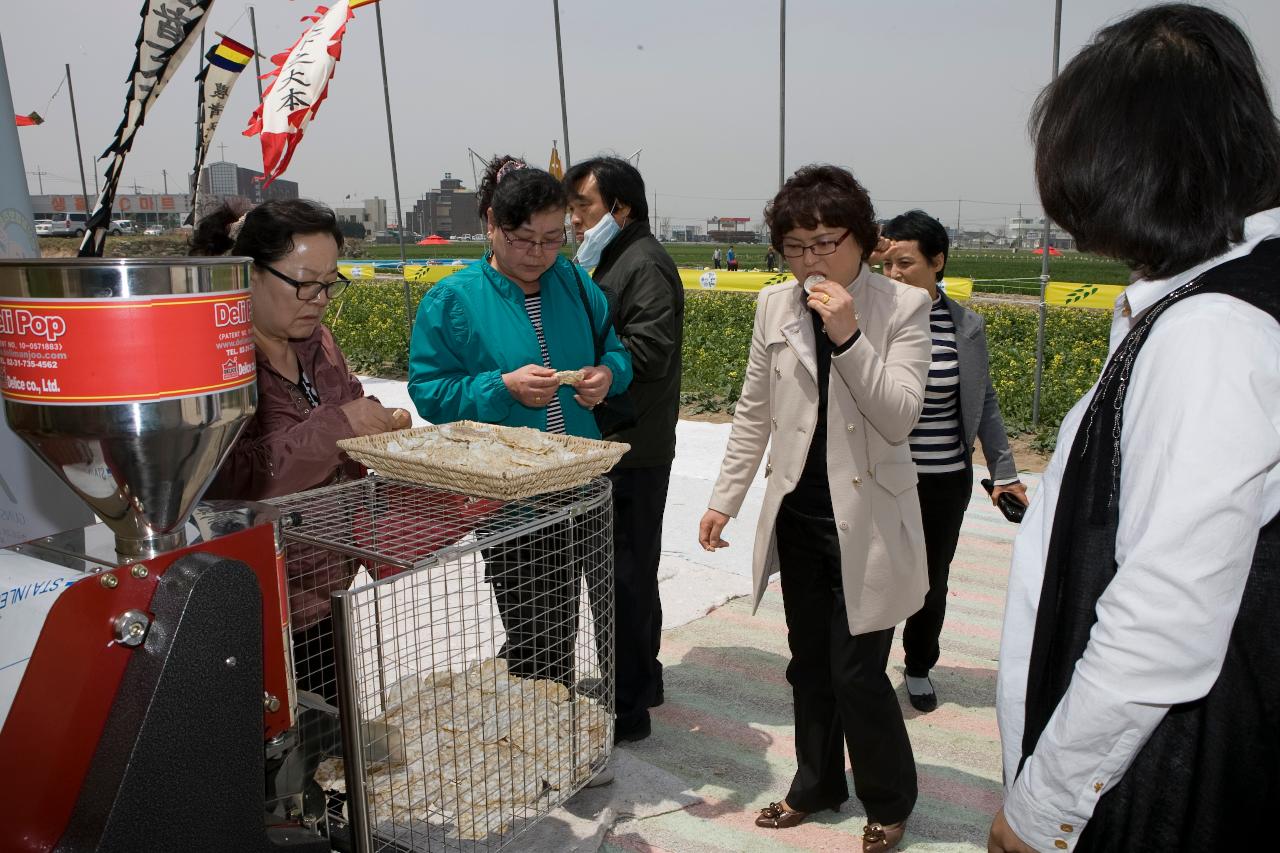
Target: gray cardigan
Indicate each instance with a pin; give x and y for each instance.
(979, 408)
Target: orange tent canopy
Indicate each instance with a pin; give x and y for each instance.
(433, 240)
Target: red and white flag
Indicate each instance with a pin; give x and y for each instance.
(300, 83)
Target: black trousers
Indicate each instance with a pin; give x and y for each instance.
(639, 498)
(839, 685)
(943, 500)
(536, 584)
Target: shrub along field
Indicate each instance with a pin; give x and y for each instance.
(369, 324)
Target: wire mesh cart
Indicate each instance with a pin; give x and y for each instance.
(466, 643)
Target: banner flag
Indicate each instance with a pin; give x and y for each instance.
(169, 29)
(225, 61)
(556, 168)
(300, 84)
(31, 119)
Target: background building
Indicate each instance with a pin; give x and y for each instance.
(373, 215)
(225, 181)
(731, 229)
(1026, 232)
(165, 209)
(449, 211)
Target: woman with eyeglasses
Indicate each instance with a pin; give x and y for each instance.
(487, 344)
(308, 399)
(834, 385)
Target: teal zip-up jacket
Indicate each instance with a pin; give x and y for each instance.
(472, 327)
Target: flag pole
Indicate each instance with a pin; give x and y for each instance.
(395, 174)
(564, 108)
(1044, 248)
(195, 179)
(75, 123)
(257, 63)
(782, 92)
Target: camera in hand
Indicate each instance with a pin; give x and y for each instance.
(1009, 505)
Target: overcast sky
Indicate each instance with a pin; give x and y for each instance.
(925, 100)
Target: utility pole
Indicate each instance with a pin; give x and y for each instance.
(959, 201)
(564, 108)
(222, 149)
(75, 123)
(782, 93)
(1044, 248)
(395, 174)
(165, 173)
(40, 173)
(257, 63)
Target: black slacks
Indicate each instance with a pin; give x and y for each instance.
(639, 498)
(838, 681)
(536, 584)
(943, 500)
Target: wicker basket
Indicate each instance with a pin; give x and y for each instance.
(593, 458)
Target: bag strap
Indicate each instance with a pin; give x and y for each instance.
(591, 317)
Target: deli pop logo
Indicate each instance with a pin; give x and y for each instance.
(125, 350)
(23, 323)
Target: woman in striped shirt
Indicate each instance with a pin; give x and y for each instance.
(959, 405)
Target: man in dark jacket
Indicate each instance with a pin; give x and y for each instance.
(646, 299)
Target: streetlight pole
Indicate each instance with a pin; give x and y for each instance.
(782, 92)
(1044, 248)
(395, 174)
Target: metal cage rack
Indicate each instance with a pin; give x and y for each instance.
(465, 642)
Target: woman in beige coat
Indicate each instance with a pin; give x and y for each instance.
(834, 384)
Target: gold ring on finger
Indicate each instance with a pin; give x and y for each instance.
(826, 297)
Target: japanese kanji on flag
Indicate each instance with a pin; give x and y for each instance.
(224, 62)
(169, 29)
(299, 84)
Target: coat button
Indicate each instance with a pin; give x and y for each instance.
(777, 371)
(851, 427)
(1066, 827)
(768, 468)
(857, 481)
(774, 421)
(1060, 844)
(844, 525)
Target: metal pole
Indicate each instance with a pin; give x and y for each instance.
(165, 173)
(75, 123)
(257, 63)
(782, 92)
(1044, 248)
(564, 108)
(349, 722)
(395, 173)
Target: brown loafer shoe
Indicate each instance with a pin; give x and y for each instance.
(878, 838)
(778, 816)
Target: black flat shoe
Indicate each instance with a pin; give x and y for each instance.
(924, 702)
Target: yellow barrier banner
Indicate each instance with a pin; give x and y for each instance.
(1066, 293)
(430, 273)
(356, 272)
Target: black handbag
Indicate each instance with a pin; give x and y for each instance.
(616, 413)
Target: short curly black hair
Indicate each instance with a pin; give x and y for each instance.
(521, 192)
(821, 194)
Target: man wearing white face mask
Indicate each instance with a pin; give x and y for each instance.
(609, 214)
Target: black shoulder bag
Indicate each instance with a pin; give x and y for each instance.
(616, 413)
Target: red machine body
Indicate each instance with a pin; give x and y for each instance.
(54, 725)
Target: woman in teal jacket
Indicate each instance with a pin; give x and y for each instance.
(486, 346)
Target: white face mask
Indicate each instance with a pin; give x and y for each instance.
(595, 238)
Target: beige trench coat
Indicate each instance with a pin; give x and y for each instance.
(875, 395)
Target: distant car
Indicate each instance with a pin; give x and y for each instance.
(122, 226)
(153, 230)
(69, 225)
(44, 227)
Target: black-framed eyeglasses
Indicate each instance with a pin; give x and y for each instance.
(308, 290)
(527, 246)
(818, 247)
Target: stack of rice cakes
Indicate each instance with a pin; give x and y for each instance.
(482, 748)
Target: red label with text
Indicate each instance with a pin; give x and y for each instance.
(134, 349)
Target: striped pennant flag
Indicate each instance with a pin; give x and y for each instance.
(224, 62)
(169, 29)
